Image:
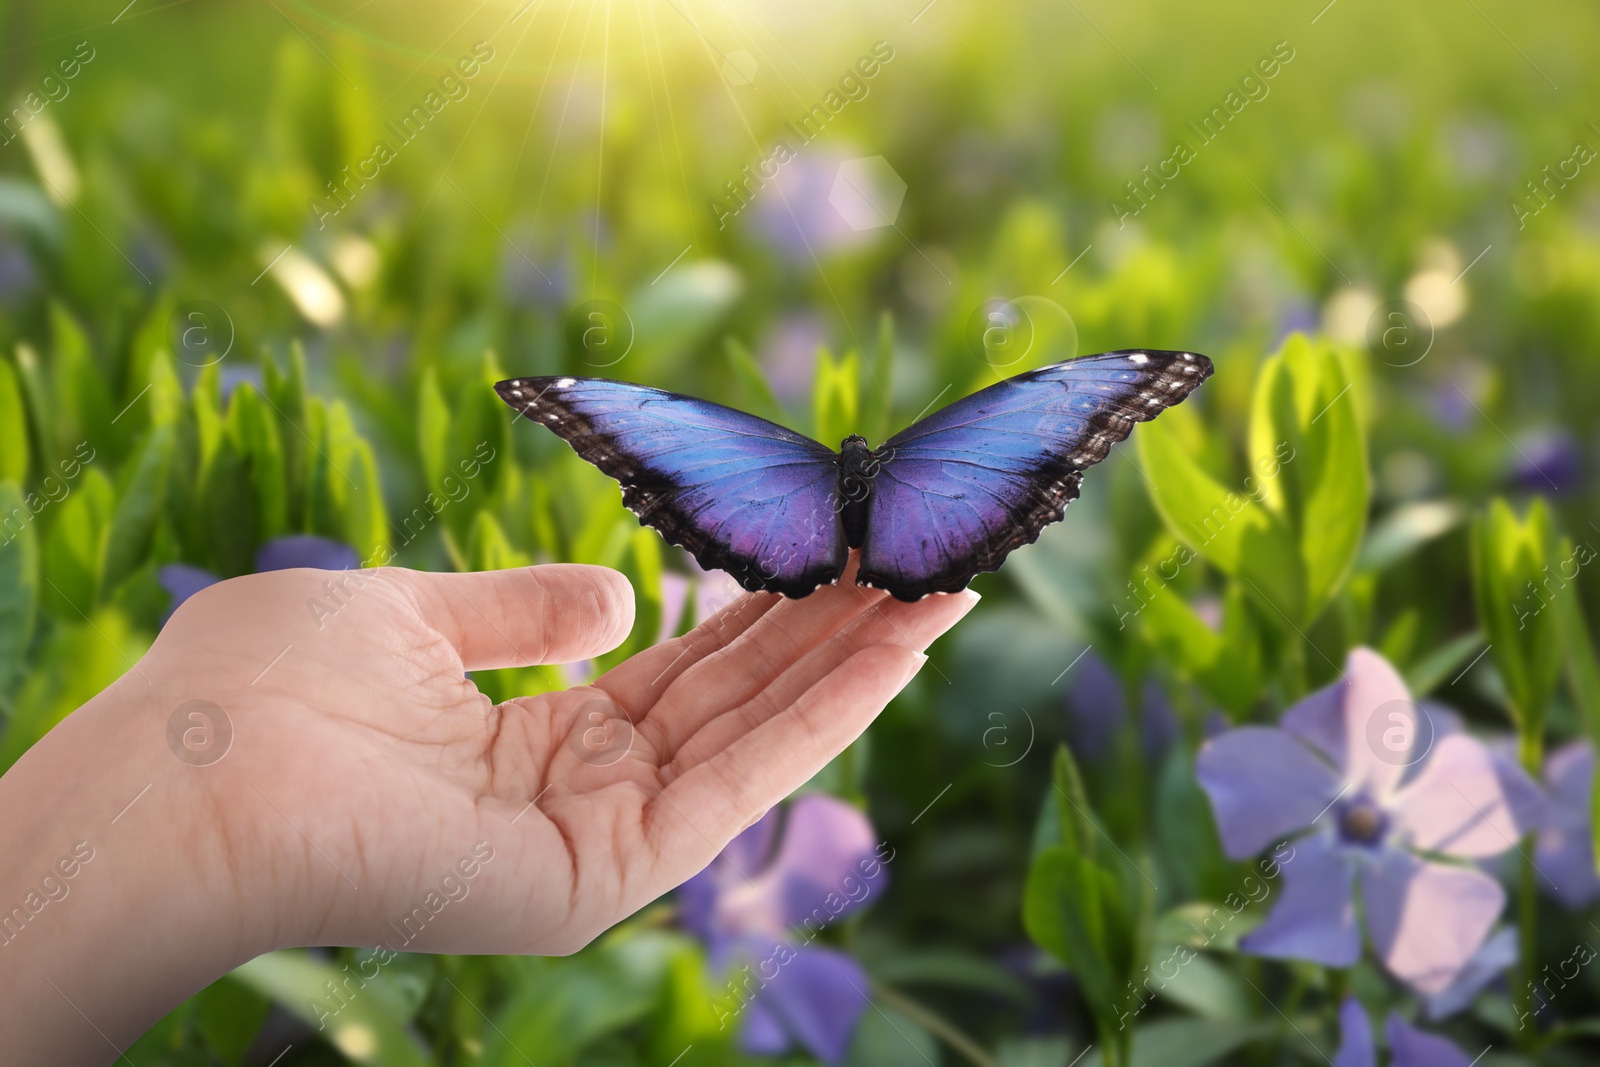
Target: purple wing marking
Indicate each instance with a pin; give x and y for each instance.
(954, 494)
(742, 494)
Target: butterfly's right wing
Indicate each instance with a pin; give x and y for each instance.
(955, 493)
(742, 494)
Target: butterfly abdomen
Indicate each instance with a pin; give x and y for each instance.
(858, 467)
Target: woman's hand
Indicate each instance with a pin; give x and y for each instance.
(320, 771)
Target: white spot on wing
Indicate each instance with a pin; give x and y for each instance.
(565, 383)
(1139, 357)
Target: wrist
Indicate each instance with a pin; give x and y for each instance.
(112, 847)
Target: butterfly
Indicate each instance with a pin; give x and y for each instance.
(941, 501)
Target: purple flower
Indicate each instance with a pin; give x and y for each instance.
(1547, 461)
(281, 553)
(1408, 1046)
(306, 550)
(792, 216)
(758, 907)
(1565, 848)
(237, 374)
(1338, 769)
(1485, 966)
(789, 355)
(1097, 708)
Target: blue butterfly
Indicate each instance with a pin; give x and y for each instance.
(940, 502)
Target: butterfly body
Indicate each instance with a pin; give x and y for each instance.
(941, 501)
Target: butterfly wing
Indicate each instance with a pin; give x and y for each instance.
(743, 495)
(958, 491)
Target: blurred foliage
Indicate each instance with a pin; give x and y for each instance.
(195, 357)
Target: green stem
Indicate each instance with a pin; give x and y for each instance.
(1294, 667)
(935, 1024)
(1531, 752)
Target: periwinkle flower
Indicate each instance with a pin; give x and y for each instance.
(184, 580)
(1408, 1046)
(759, 906)
(1097, 708)
(1337, 771)
(1493, 958)
(1564, 851)
(1547, 461)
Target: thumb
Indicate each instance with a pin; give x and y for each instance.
(527, 615)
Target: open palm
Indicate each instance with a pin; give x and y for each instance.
(372, 796)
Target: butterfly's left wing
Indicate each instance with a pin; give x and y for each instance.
(954, 494)
(742, 494)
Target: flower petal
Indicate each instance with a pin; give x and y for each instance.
(674, 598)
(306, 550)
(1427, 920)
(1376, 693)
(1564, 851)
(1263, 785)
(1096, 707)
(708, 902)
(1355, 1037)
(818, 996)
(1410, 1047)
(825, 867)
(761, 1034)
(1565, 862)
(1318, 720)
(1316, 918)
(183, 582)
(1467, 802)
(1497, 953)
(1569, 771)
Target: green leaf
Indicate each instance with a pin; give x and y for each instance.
(1078, 912)
(253, 432)
(887, 1038)
(1234, 532)
(14, 451)
(77, 386)
(1076, 825)
(230, 1014)
(19, 586)
(226, 511)
(1407, 528)
(1309, 465)
(74, 544)
(359, 517)
(878, 383)
(488, 548)
(359, 1024)
(1188, 1042)
(139, 503)
(1424, 675)
(641, 562)
(562, 1006)
(1513, 584)
(1228, 665)
(755, 395)
(836, 398)
(78, 661)
(1200, 984)
(433, 427)
(675, 312)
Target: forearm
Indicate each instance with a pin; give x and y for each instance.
(115, 901)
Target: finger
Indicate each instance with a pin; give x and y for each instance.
(695, 816)
(891, 622)
(558, 613)
(733, 674)
(638, 683)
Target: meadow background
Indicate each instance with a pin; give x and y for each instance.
(213, 338)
